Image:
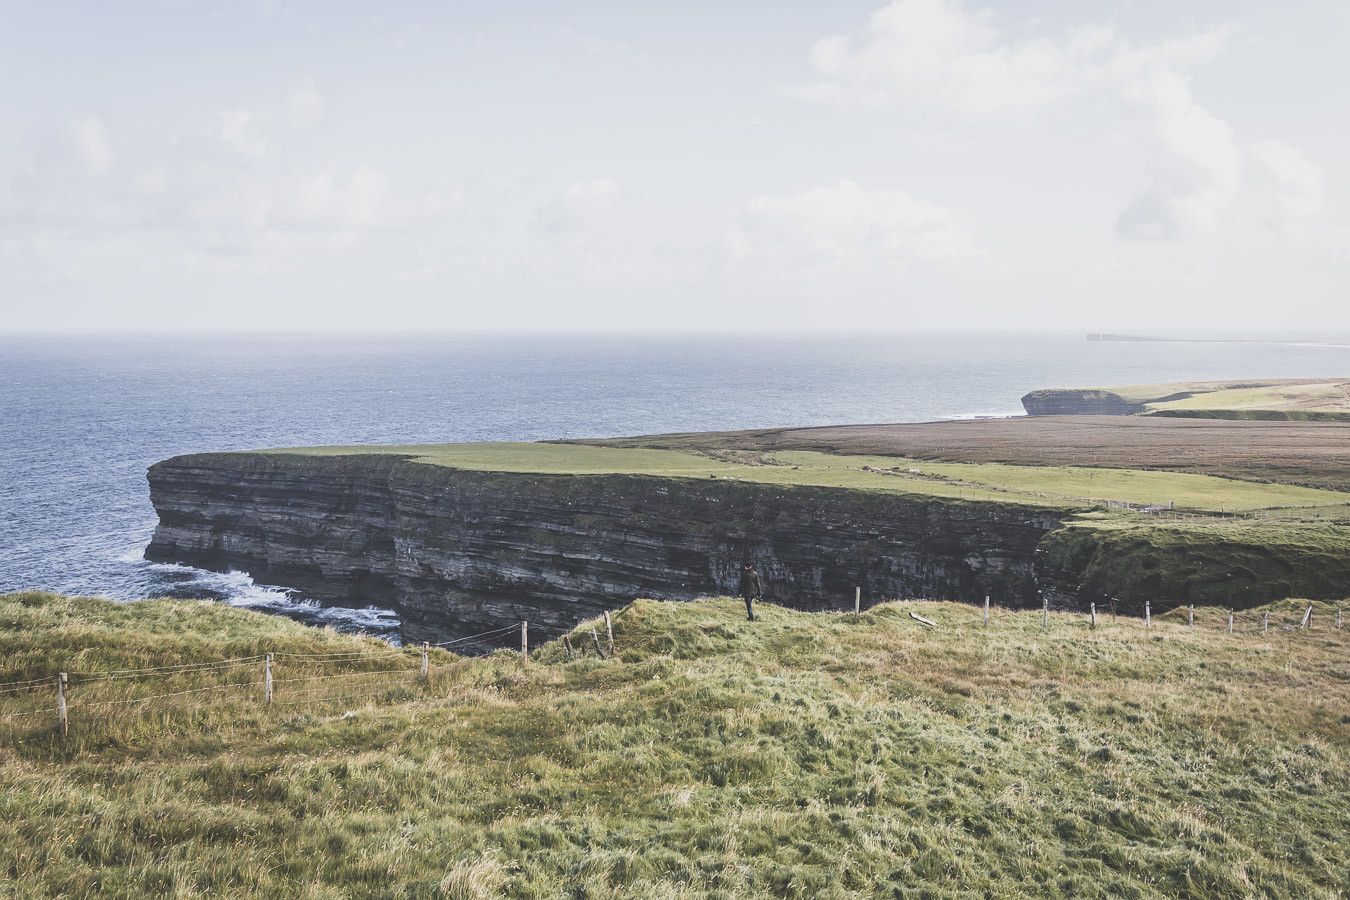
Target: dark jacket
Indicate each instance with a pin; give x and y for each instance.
(749, 583)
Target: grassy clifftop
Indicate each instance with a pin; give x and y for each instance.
(806, 755)
(1270, 399)
(1063, 487)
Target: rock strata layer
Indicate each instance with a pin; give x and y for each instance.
(1078, 402)
(457, 552)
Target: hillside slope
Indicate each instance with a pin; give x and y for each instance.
(804, 755)
(1275, 399)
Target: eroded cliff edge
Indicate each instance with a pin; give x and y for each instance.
(457, 552)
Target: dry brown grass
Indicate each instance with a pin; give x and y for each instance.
(1316, 454)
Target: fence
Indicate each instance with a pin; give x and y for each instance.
(259, 671)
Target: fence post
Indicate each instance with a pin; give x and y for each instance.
(62, 718)
(1338, 615)
(567, 645)
(1113, 608)
(426, 660)
(524, 638)
(609, 633)
(1190, 614)
(1148, 615)
(595, 639)
(1230, 621)
(1093, 613)
(1045, 611)
(1307, 617)
(986, 609)
(267, 680)
(1265, 622)
(857, 601)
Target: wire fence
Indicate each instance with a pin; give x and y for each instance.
(267, 678)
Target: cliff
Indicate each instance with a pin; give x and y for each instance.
(1078, 402)
(457, 552)
(1264, 399)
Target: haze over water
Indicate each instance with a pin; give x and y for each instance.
(84, 417)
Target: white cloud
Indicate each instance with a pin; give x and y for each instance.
(210, 201)
(234, 131)
(936, 53)
(307, 106)
(1298, 181)
(89, 140)
(845, 224)
(578, 207)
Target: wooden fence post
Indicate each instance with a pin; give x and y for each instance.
(1093, 613)
(609, 633)
(1230, 621)
(267, 680)
(1190, 614)
(1113, 608)
(567, 645)
(1265, 622)
(1148, 615)
(595, 639)
(1045, 611)
(1338, 615)
(426, 660)
(1307, 617)
(62, 718)
(986, 609)
(524, 638)
(857, 601)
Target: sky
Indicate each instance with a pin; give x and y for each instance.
(319, 165)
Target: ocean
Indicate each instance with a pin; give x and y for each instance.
(82, 417)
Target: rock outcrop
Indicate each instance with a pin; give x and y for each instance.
(1078, 402)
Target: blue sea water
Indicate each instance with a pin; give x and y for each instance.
(82, 417)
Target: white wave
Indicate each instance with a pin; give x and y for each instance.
(133, 554)
(238, 589)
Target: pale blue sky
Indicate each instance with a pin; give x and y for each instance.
(198, 165)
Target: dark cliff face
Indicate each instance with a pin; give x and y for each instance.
(1078, 402)
(458, 552)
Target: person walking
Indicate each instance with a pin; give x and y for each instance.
(750, 588)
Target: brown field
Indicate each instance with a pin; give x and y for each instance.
(1316, 454)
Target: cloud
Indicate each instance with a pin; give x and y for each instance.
(938, 54)
(578, 207)
(89, 141)
(846, 224)
(1298, 181)
(306, 106)
(234, 131)
(207, 200)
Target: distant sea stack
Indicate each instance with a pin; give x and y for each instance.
(1078, 402)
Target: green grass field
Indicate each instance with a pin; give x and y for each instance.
(1058, 486)
(1312, 397)
(805, 755)
(1258, 398)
